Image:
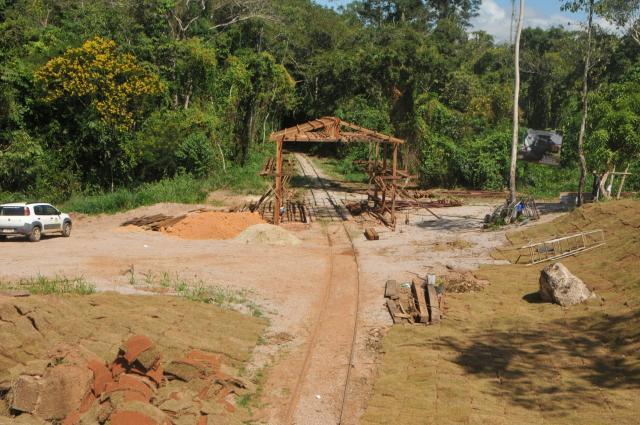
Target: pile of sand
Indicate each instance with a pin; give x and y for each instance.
(213, 225)
(267, 234)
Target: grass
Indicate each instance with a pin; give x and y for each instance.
(546, 182)
(181, 189)
(339, 169)
(42, 285)
(501, 356)
(198, 290)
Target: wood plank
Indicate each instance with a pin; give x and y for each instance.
(421, 303)
(433, 305)
(391, 290)
(393, 311)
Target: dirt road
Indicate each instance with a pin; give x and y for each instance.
(309, 292)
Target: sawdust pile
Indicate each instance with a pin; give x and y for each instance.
(213, 225)
(268, 234)
(63, 360)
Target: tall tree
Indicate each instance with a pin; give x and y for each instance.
(516, 108)
(625, 14)
(588, 6)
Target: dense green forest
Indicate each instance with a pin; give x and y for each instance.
(112, 95)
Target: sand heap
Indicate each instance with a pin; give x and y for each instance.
(213, 225)
(75, 387)
(267, 234)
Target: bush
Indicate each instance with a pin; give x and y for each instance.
(22, 163)
(195, 155)
(182, 188)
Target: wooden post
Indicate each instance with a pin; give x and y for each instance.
(278, 197)
(394, 172)
(624, 177)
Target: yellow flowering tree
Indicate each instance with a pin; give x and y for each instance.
(99, 75)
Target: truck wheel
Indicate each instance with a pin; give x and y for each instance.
(35, 235)
(3, 237)
(66, 230)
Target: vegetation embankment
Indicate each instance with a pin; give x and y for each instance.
(503, 356)
(183, 188)
(117, 96)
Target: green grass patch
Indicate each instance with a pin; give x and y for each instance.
(220, 296)
(184, 189)
(42, 285)
(340, 169)
(546, 181)
(197, 290)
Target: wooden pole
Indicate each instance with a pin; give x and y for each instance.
(394, 172)
(278, 197)
(624, 177)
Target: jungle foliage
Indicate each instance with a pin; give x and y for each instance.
(113, 96)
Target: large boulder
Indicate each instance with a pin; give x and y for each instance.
(560, 286)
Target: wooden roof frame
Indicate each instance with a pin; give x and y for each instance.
(330, 130)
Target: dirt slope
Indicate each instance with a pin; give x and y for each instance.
(36, 329)
(502, 357)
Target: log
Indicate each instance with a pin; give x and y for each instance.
(371, 234)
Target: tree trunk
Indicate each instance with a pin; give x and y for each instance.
(516, 108)
(585, 109)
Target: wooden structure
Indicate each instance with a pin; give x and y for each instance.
(383, 178)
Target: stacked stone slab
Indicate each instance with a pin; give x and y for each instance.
(76, 387)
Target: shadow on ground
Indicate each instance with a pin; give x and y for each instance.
(562, 365)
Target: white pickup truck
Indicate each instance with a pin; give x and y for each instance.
(33, 220)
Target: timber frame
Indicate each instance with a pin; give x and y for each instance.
(382, 179)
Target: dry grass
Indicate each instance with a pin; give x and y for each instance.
(101, 322)
(502, 357)
(452, 245)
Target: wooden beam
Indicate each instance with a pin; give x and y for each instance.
(381, 137)
(278, 194)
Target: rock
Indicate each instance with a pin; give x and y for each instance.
(25, 391)
(137, 413)
(185, 370)
(64, 388)
(101, 376)
(130, 387)
(558, 285)
(135, 346)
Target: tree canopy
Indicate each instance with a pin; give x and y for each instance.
(102, 94)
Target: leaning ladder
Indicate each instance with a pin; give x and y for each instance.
(565, 246)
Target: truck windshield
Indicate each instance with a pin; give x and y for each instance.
(13, 211)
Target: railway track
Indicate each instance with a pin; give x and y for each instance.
(335, 411)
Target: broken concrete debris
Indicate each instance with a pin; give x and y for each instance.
(560, 286)
(76, 387)
(415, 302)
